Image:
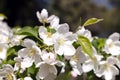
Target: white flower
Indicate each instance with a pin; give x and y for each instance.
(112, 44)
(46, 72)
(16, 39)
(43, 16)
(63, 40)
(83, 32)
(77, 59)
(31, 53)
(46, 36)
(54, 23)
(3, 51)
(22, 63)
(117, 60)
(49, 58)
(92, 63)
(64, 45)
(107, 69)
(5, 32)
(7, 72)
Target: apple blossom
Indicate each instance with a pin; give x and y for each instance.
(43, 16)
(92, 63)
(7, 72)
(84, 32)
(108, 69)
(77, 60)
(31, 53)
(112, 44)
(46, 71)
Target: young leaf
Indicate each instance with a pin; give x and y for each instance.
(29, 31)
(98, 43)
(85, 44)
(92, 21)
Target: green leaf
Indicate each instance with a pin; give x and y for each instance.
(98, 43)
(29, 31)
(85, 44)
(92, 21)
(51, 30)
(12, 51)
(31, 69)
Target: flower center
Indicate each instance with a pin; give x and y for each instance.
(8, 76)
(61, 41)
(1, 49)
(32, 52)
(49, 34)
(111, 44)
(75, 58)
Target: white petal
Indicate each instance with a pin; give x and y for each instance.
(108, 75)
(44, 14)
(58, 49)
(54, 23)
(42, 32)
(23, 52)
(63, 28)
(87, 67)
(43, 71)
(114, 70)
(27, 62)
(115, 36)
(39, 16)
(50, 18)
(28, 78)
(28, 43)
(53, 69)
(81, 55)
(3, 51)
(69, 50)
(50, 77)
(112, 60)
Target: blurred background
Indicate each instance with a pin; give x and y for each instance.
(74, 12)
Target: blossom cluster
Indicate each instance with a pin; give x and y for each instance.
(44, 52)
